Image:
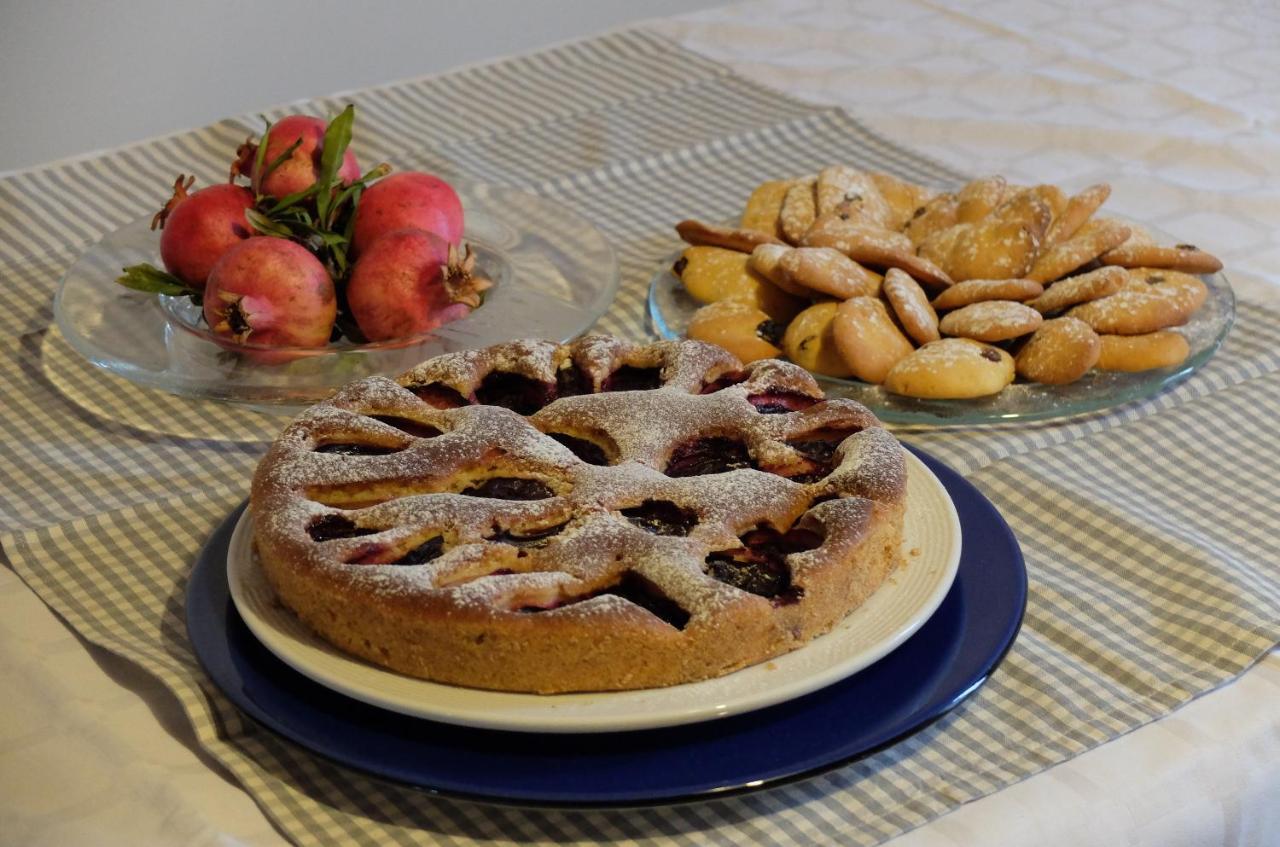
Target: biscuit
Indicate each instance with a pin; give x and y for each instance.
(1060, 351)
(978, 290)
(868, 340)
(702, 234)
(823, 270)
(951, 369)
(711, 274)
(1132, 312)
(740, 328)
(1089, 242)
(934, 216)
(799, 211)
(1002, 245)
(1162, 349)
(1053, 196)
(903, 198)
(1079, 208)
(911, 306)
(991, 320)
(1141, 251)
(852, 193)
(765, 205)
(764, 261)
(810, 341)
(876, 247)
(1188, 291)
(1079, 289)
(980, 198)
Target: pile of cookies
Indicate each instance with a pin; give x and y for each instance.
(939, 295)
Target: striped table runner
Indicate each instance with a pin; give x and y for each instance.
(1148, 531)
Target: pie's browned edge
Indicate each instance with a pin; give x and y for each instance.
(528, 627)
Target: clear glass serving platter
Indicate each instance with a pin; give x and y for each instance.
(554, 274)
(670, 309)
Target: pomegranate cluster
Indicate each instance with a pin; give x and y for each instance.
(299, 249)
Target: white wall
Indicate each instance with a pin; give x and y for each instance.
(77, 76)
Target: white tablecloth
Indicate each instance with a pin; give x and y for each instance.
(1174, 104)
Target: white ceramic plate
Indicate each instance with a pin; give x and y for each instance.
(901, 606)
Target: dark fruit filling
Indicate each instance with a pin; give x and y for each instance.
(439, 396)
(533, 538)
(627, 378)
(771, 331)
(636, 589)
(708, 456)
(662, 517)
(351, 449)
(509, 488)
(759, 565)
(587, 451)
(516, 392)
(819, 447)
(330, 527)
(778, 403)
(417, 429)
(571, 381)
(722, 382)
(430, 549)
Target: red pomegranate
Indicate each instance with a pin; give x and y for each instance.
(407, 199)
(198, 228)
(272, 292)
(411, 281)
(299, 171)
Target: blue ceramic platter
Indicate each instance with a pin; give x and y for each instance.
(943, 663)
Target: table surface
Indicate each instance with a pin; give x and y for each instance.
(1174, 105)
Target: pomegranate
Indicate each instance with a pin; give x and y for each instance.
(407, 199)
(411, 281)
(272, 292)
(198, 228)
(299, 171)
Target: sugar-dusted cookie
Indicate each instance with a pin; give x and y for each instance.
(764, 206)
(1089, 242)
(911, 306)
(853, 194)
(902, 197)
(1060, 351)
(710, 274)
(991, 320)
(978, 290)
(1002, 245)
(1141, 251)
(1078, 210)
(1053, 196)
(1132, 312)
(937, 214)
(799, 210)
(951, 369)
(1079, 289)
(740, 328)
(1188, 291)
(810, 341)
(980, 198)
(868, 340)
(1162, 349)
(764, 261)
(702, 234)
(826, 271)
(880, 248)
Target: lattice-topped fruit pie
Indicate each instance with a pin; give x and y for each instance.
(593, 516)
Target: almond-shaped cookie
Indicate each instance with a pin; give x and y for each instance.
(799, 210)
(934, 216)
(1132, 312)
(1162, 349)
(879, 248)
(853, 194)
(810, 341)
(951, 369)
(764, 206)
(711, 274)
(1082, 288)
(991, 320)
(1059, 352)
(702, 234)
(1079, 208)
(903, 198)
(1089, 242)
(1141, 251)
(911, 306)
(868, 340)
(740, 328)
(1188, 291)
(979, 290)
(826, 271)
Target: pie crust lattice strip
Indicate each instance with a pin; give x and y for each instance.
(600, 515)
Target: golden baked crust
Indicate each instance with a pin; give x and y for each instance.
(690, 516)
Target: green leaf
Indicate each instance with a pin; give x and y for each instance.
(152, 280)
(291, 200)
(266, 225)
(261, 154)
(337, 137)
(278, 160)
(349, 230)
